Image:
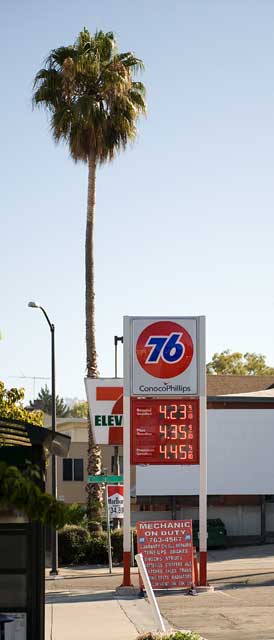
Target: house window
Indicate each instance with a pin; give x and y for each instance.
(121, 463)
(73, 469)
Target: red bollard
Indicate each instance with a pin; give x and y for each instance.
(195, 568)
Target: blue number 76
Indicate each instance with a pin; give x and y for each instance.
(168, 347)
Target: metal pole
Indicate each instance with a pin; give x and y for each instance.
(54, 534)
(115, 355)
(54, 538)
(108, 534)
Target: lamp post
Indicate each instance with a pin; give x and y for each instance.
(54, 536)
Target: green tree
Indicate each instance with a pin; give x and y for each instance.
(237, 363)
(43, 403)
(94, 104)
(79, 410)
(19, 490)
(11, 406)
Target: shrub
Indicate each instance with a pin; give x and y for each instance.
(148, 636)
(72, 541)
(96, 551)
(76, 514)
(94, 527)
(181, 635)
(117, 544)
(172, 635)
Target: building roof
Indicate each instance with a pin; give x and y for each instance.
(18, 432)
(266, 393)
(230, 384)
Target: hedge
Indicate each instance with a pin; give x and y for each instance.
(72, 541)
(171, 635)
(78, 546)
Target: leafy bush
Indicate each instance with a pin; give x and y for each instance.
(172, 635)
(96, 551)
(95, 527)
(76, 514)
(117, 544)
(72, 542)
(77, 545)
(148, 636)
(181, 635)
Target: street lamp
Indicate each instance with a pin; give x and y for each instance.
(54, 536)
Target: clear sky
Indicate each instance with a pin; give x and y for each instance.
(184, 221)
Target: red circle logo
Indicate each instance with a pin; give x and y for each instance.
(164, 349)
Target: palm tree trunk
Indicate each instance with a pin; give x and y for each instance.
(94, 492)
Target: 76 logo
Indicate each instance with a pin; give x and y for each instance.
(164, 349)
(168, 348)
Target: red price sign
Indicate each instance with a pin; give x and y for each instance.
(164, 431)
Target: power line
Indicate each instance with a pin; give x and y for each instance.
(33, 378)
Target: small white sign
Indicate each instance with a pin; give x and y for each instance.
(115, 501)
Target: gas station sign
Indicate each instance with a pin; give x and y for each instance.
(165, 408)
(164, 356)
(164, 431)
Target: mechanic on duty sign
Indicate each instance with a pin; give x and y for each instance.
(166, 546)
(164, 356)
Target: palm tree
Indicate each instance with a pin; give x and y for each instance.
(94, 104)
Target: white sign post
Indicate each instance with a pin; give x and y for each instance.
(150, 593)
(127, 521)
(165, 357)
(203, 455)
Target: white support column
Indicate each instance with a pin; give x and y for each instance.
(203, 454)
(127, 518)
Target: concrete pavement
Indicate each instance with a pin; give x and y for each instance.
(83, 618)
(83, 603)
(242, 605)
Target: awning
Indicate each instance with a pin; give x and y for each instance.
(19, 433)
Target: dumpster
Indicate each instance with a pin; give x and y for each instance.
(217, 535)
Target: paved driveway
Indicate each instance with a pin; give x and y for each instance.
(242, 606)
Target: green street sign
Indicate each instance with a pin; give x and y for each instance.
(105, 479)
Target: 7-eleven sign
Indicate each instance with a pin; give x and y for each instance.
(105, 401)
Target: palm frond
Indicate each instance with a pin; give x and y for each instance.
(138, 101)
(130, 60)
(56, 58)
(61, 123)
(140, 87)
(47, 89)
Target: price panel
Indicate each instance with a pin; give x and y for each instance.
(164, 431)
